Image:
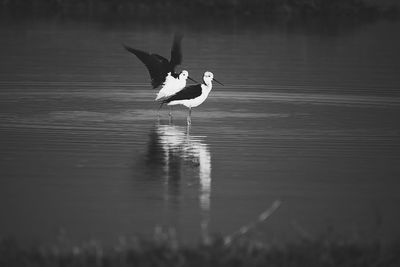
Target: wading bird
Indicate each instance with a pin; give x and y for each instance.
(193, 95)
(162, 72)
(171, 86)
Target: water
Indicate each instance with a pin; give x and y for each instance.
(308, 116)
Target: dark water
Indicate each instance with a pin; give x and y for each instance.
(308, 117)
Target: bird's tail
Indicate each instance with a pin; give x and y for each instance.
(164, 100)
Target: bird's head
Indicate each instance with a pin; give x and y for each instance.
(183, 75)
(208, 77)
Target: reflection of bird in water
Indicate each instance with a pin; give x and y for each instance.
(193, 95)
(175, 148)
(162, 71)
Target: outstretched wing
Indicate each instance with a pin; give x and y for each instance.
(157, 65)
(176, 53)
(189, 92)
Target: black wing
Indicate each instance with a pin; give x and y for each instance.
(157, 65)
(176, 53)
(189, 92)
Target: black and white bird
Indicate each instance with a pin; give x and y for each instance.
(162, 71)
(193, 95)
(172, 85)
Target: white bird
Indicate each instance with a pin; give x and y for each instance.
(162, 71)
(193, 95)
(172, 85)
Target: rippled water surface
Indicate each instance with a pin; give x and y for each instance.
(307, 117)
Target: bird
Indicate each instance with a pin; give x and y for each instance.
(158, 66)
(171, 86)
(193, 95)
(162, 72)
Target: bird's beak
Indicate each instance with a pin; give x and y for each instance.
(218, 82)
(193, 80)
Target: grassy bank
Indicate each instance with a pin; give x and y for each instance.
(204, 8)
(135, 252)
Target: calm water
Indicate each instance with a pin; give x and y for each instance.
(307, 116)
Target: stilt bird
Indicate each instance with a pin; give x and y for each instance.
(193, 95)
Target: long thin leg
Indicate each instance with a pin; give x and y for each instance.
(158, 110)
(170, 111)
(189, 119)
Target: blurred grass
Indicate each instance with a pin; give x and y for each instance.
(324, 251)
(200, 8)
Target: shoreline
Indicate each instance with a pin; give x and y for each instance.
(165, 250)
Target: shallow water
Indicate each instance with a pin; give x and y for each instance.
(306, 117)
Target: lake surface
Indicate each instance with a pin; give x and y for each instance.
(308, 116)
